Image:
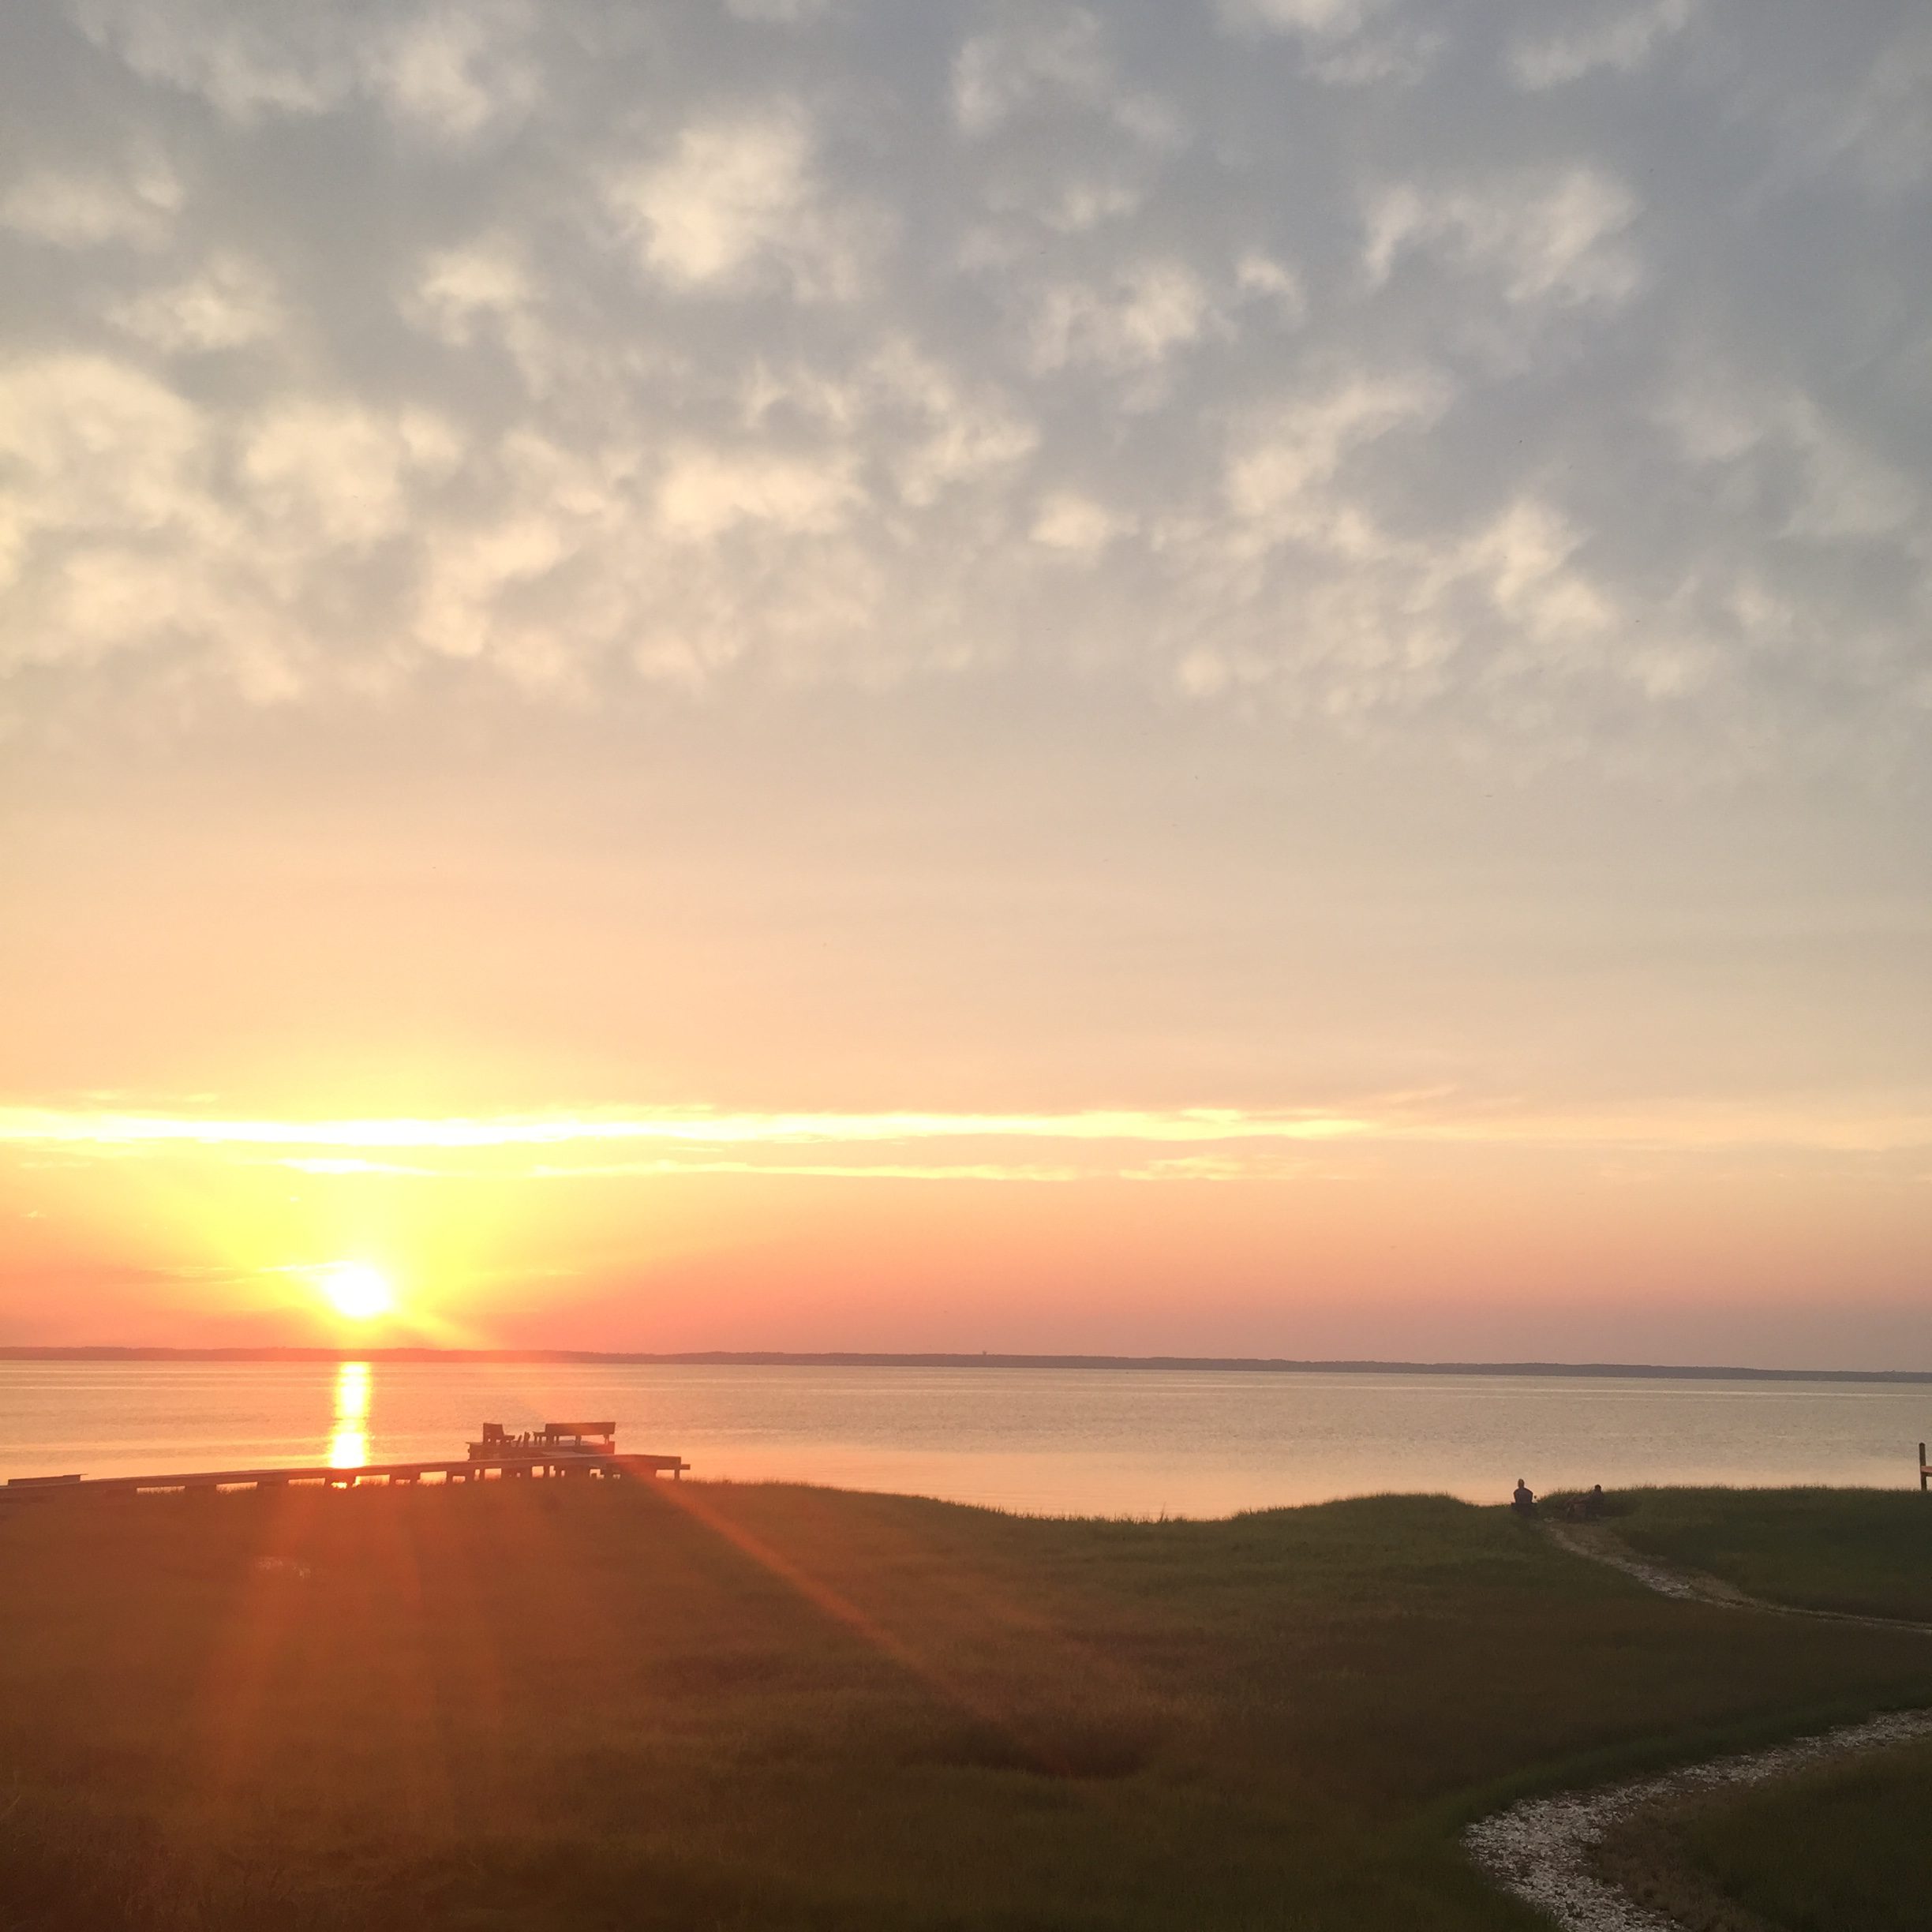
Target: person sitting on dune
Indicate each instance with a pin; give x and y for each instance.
(1523, 1502)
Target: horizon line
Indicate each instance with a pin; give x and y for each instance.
(984, 1358)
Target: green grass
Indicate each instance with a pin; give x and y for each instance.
(703, 1706)
(1841, 1849)
(1867, 1551)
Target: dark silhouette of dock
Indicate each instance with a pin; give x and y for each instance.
(559, 1451)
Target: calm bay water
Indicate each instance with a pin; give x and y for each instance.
(1090, 1441)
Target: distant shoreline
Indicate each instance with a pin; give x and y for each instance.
(779, 1358)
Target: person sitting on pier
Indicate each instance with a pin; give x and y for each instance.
(1523, 1502)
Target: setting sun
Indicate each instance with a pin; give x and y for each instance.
(356, 1291)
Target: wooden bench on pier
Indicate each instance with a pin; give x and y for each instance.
(560, 1438)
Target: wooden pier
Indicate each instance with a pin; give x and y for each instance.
(557, 1450)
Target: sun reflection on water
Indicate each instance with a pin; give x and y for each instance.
(349, 1443)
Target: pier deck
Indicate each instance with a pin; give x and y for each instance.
(539, 1463)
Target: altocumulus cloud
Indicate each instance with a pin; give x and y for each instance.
(1539, 374)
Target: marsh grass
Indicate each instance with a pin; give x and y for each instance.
(528, 1705)
(1845, 1847)
(1866, 1551)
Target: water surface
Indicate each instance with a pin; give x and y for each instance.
(1111, 1442)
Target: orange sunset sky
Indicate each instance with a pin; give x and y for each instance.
(1239, 680)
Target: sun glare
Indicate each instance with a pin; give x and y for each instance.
(356, 1291)
(349, 1442)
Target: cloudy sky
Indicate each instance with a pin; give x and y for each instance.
(1227, 678)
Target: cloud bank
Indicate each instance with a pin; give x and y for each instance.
(1562, 379)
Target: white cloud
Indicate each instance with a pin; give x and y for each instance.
(1148, 313)
(448, 69)
(1068, 520)
(114, 539)
(958, 436)
(706, 491)
(547, 578)
(1801, 474)
(473, 574)
(1353, 611)
(1276, 479)
(340, 476)
(1883, 123)
(910, 413)
(1329, 18)
(273, 57)
(1069, 205)
(91, 445)
(1402, 56)
(486, 290)
(781, 13)
(1621, 38)
(1522, 562)
(78, 210)
(1105, 333)
(729, 192)
(1343, 43)
(1045, 62)
(460, 289)
(737, 199)
(1079, 205)
(457, 71)
(1546, 237)
(1849, 494)
(1259, 276)
(229, 305)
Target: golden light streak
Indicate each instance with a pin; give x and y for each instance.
(818, 1170)
(694, 1127)
(349, 1440)
(761, 1141)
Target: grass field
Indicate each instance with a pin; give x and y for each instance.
(706, 1706)
(1867, 1551)
(1842, 1850)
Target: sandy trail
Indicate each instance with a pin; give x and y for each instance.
(1540, 1849)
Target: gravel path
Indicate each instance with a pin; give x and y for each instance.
(1540, 1849)
(1603, 1545)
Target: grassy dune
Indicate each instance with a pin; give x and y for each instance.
(1867, 1551)
(698, 1706)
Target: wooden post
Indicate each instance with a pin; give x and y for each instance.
(1923, 1471)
